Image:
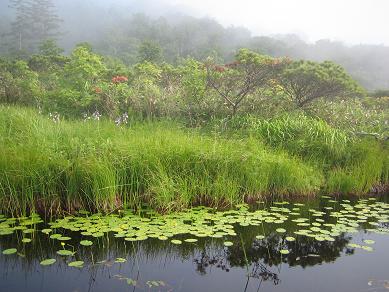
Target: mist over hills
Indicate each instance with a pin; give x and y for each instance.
(117, 28)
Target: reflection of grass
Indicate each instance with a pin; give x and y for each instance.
(95, 165)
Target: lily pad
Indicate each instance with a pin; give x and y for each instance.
(86, 242)
(9, 251)
(77, 264)
(64, 252)
(48, 262)
(191, 240)
(120, 260)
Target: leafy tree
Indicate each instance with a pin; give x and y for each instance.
(194, 101)
(306, 81)
(18, 84)
(77, 83)
(45, 23)
(146, 91)
(21, 27)
(149, 52)
(235, 81)
(35, 22)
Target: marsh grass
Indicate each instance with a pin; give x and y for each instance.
(349, 164)
(96, 165)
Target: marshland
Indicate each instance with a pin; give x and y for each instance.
(158, 150)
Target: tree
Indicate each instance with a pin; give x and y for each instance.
(235, 81)
(35, 22)
(18, 84)
(149, 52)
(21, 26)
(306, 81)
(77, 84)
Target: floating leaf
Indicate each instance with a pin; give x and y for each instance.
(284, 251)
(77, 264)
(131, 282)
(48, 262)
(120, 260)
(191, 240)
(86, 242)
(64, 252)
(228, 243)
(9, 251)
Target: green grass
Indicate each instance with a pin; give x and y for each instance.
(95, 165)
(71, 165)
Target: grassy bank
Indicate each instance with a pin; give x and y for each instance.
(74, 165)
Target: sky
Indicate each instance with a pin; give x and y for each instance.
(350, 21)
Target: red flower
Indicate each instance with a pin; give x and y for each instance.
(119, 79)
(98, 90)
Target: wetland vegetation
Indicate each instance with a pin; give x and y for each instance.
(137, 161)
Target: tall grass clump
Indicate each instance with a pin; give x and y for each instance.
(70, 165)
(350, 164)
(309, 138)
(366, 169)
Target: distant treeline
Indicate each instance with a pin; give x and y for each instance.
(118, 32)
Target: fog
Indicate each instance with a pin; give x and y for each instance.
(351, 33)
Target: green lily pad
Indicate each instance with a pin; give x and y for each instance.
(120, 260)
(280, 230)
(290, 238)
(9, 251)
(284, 251)
(228, 243)
(46, 231)
(176, 241)
(77, 264)
(191, 240)
(86, 242)
(48, 262)
(64, 252)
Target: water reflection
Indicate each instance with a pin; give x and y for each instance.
(249, 258)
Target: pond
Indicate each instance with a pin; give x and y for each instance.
(324, 244)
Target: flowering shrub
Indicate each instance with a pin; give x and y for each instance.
(119, 79)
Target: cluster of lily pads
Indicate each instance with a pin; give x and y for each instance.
(187, 226)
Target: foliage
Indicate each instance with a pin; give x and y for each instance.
(97, 165)
(18, 84)
(306, 81)
(149, 52)
(235, 81)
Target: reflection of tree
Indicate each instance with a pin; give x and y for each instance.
(220, 260)
(263, 254)
(301, 251)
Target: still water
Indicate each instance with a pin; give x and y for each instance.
(351, 254)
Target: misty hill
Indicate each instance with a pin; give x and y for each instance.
(118, 29)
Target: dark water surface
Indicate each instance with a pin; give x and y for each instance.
(250, 264)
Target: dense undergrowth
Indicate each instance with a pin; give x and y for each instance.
(68, 165)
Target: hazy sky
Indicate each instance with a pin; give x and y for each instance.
(351, 21)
